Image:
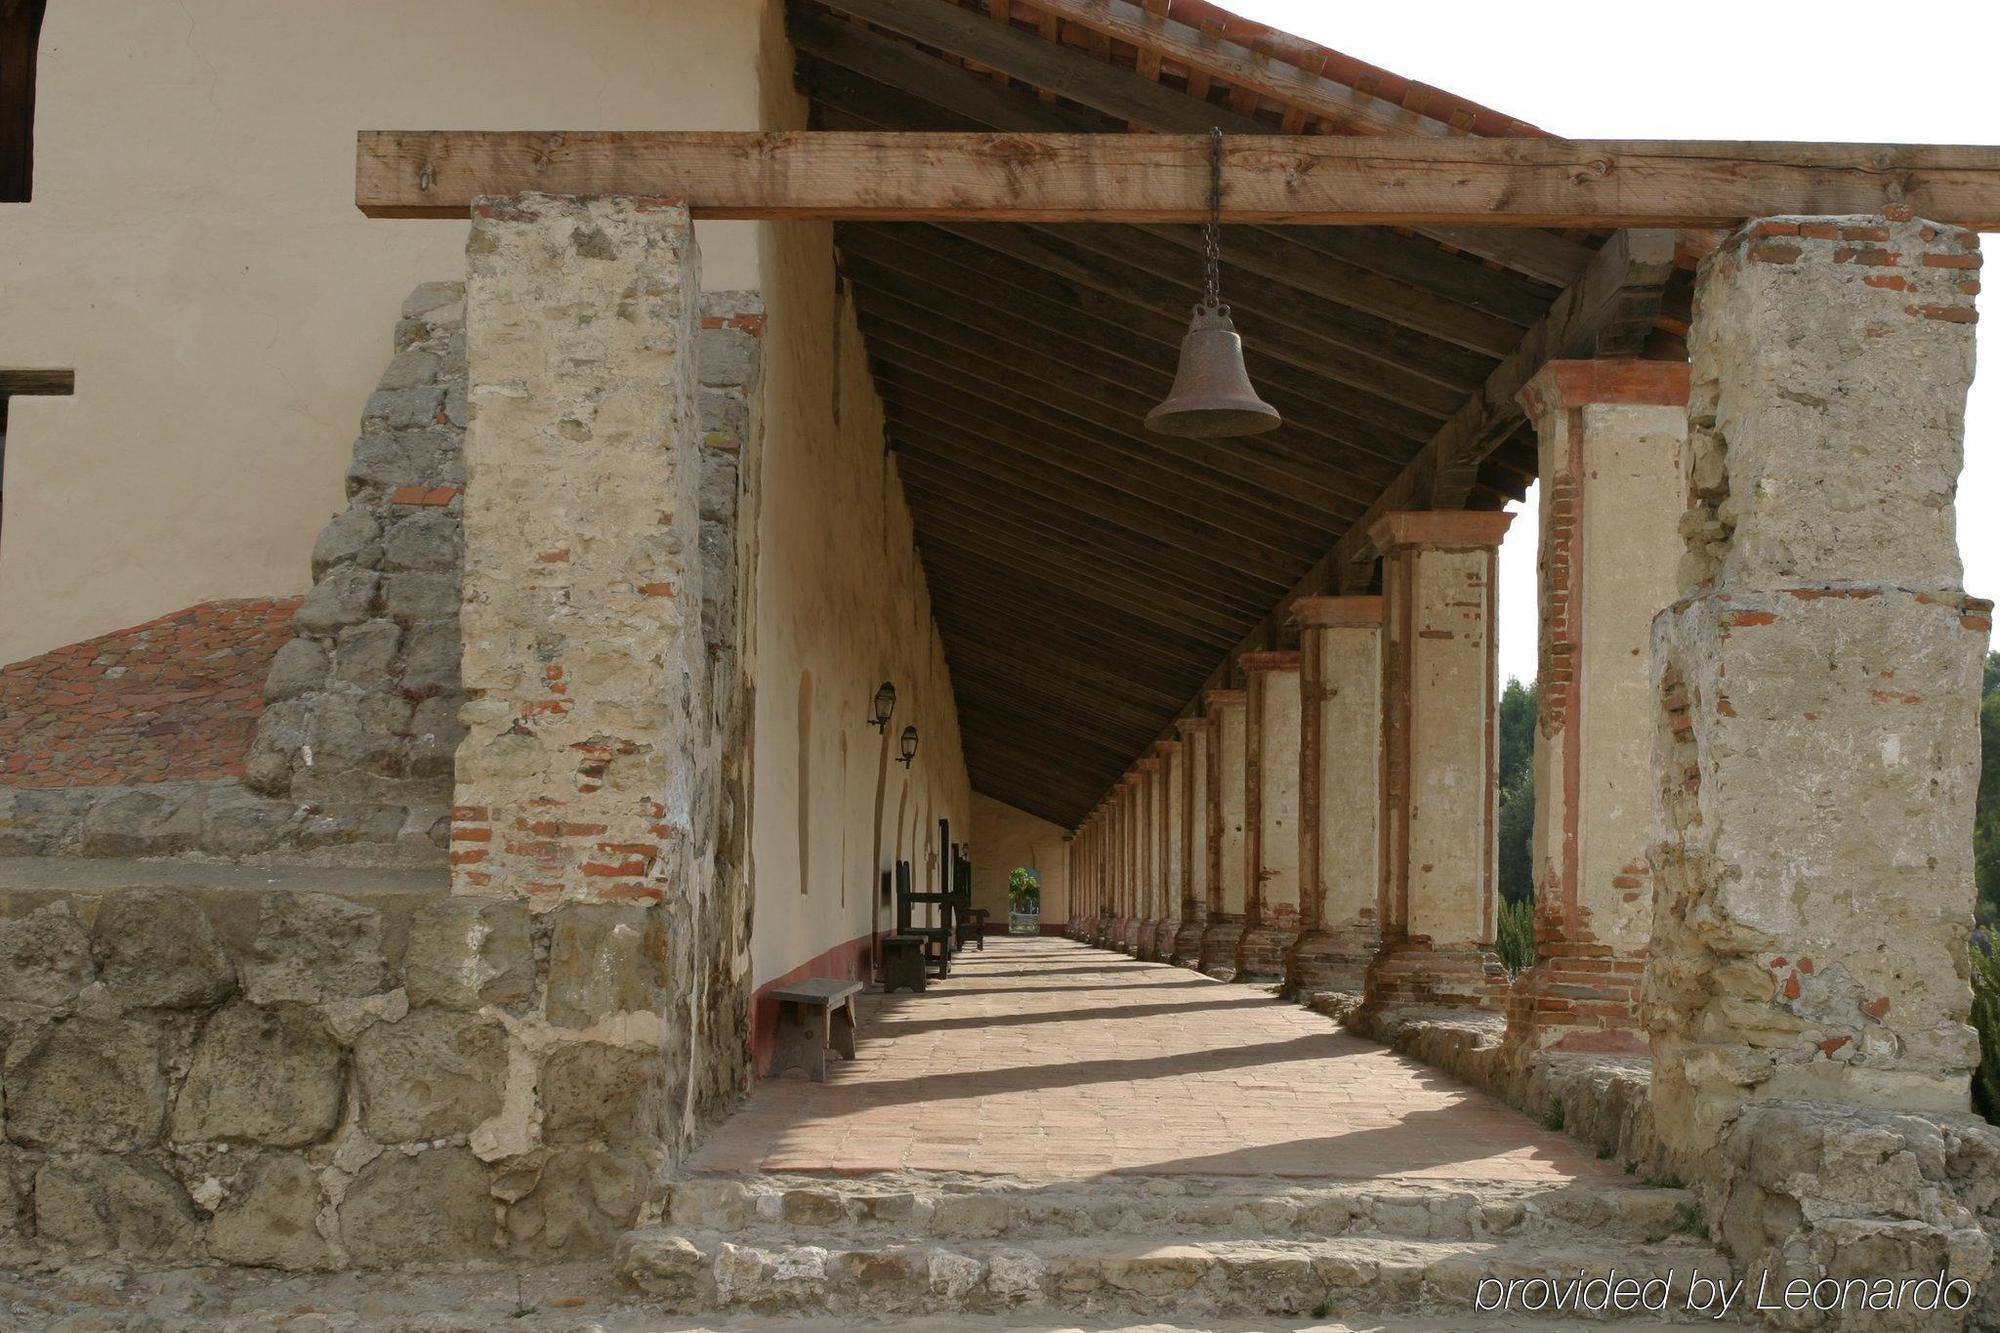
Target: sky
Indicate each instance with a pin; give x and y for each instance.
(1831, 72)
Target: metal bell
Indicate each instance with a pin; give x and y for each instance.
(1212, 396)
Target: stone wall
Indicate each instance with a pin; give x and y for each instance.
(455, 1078)
(291, 1077)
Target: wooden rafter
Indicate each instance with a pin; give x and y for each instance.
(1290, 179)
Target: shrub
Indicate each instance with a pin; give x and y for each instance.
(1024, 891)
(1516, 944)
(1986, 1017)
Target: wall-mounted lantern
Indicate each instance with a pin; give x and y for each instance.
(908, 746)
(885, 706)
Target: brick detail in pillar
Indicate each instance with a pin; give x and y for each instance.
(586, 747)
(1224, 928)
(1612, 436)
(1817, 687)
(1270, 815)
(1193, 770)
(1340, 793)
(1439, 807)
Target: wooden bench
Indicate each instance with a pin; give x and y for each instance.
(813, 1015)
(972, 927)
(903, 963)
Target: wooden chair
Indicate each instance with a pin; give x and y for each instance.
(940, 937)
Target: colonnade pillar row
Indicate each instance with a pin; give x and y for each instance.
(1114, 865)
(1612, 436)
(1440, 702)
(1132, 844)
(1172, 812)
(1148, 924)
(1223, 931)
(1192, 885)
(1270, 814)
(1816, 693)
(1340, 793)
(1100, 858)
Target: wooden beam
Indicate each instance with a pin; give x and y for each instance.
(1292, 179)
(885, 84)
(37, 383)
(1606, 312)
(1201, 466)
(1341, 449)
(1243, 67)
(1256, 460)
(1070, 73)
(1011, 485)
(912, 388)
(1139, 101)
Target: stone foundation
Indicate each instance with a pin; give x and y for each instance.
(1416, 973)
(1261, 950)
(1220, 939)
(1602, 1100)
(1325, 960)
(308, 1069)
(221, 820)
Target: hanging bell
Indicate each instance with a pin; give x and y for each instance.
(1212, 397)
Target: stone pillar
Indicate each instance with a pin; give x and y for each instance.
(1149, 858)
(582, 643)
(1193, 883)
(1114, 865)
(1130, 845)
(1440, 734)
(1612, 438)
(1172, 765)
(1224, 931)
(1816, 737)
(1109, 864)
(1100, 925)
(1340, 793)
(1270, 815)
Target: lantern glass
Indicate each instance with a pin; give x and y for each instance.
(909, 745)
(885, 706)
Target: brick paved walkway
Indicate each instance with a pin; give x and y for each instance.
(1045, 1058)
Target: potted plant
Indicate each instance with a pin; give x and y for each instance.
(1024, 901)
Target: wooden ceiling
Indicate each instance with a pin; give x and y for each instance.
(1090, 578)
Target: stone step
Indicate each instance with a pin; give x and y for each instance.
(791, 1209)
(688, 1270)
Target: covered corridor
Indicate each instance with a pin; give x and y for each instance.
(1048, 1059)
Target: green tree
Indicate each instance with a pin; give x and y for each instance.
(1986, 872)
(1024, 890)
(1517, 796)
(1986, 820)
(1986, 1018)
(1517, 731)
